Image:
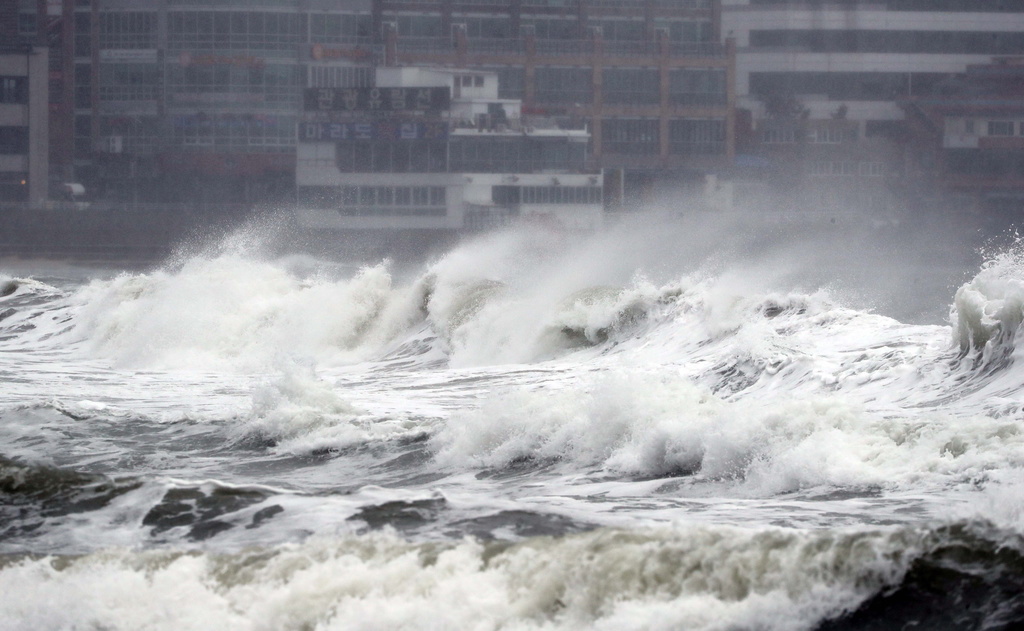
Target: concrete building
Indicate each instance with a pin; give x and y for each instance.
(24, 138)
(437, 149)
(969, 136)
(819, 85)
(178, 101)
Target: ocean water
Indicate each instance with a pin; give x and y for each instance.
(653, 428)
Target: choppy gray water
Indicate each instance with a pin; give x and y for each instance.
(531, 432)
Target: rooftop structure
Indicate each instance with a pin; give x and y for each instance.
(437, 149)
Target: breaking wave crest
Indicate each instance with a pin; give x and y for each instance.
(658, 425)
(988, 310)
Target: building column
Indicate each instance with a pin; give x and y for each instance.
(730, 100)
(663, 94)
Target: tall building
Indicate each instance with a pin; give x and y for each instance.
(819, 85)
(24, 138)
(185, 101)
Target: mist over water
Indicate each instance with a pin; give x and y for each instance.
(700, 423)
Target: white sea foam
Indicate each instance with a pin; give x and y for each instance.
(987, 311)
(658, 423)
(237, 313)
(299, 412)
(693, 577)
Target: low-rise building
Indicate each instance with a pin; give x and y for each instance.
(437, 149)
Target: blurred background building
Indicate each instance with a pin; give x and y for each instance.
(761, 104)
(821, 87)
(186, 101)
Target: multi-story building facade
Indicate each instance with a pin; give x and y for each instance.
(819, 84)
(970, 134)
(438, 150)
(24, 137)
(180, 100)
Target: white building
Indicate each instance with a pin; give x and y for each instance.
(436, 149)
(861, 55)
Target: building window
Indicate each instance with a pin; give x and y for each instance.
(234, 30)
(969, 126)
(779, 135)
(872, 169)
(697, 86)
(552, 194)
(408, 156)
(128, 30)
(511, 155)
(486, 27)
(696, 136)
(14, 90)
(340, 77)
(1000, 128)
(419, 25)
(620, 30)
(510, 81)
(633, 136)
(13, 186)
(564, 85)
(128, 82)
(631, 86)
(552, 28)
(829, 134)
(338, 27)
(13, 140)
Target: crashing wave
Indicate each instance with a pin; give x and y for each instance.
(987, 311)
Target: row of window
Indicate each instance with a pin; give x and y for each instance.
(867, 41)
(630, 85)
(546, 194)
(845, 86)
(686, 136)
(235, 30)
(997, 128)
(392, 211)
(371, 196)
(127, 30)
(411, 156)
(910, 5)
(847, 168)
(228, 130)
(986, 163)
(340, 77)
(515, 155)
(824, 134)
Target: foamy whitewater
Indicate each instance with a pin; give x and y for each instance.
(637, 430)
